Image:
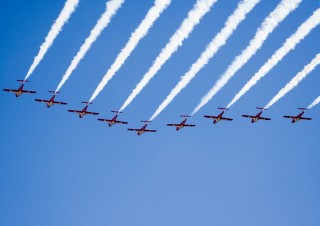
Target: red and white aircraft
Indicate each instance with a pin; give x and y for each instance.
(51, 101)
(114, 120)
(20, 90)
(298, 117)
(84, 111)
(182, 124)
(219, 117)
(256, 117)
(143, 129)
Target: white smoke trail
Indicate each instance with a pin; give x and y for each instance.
(56, 28)
(314, 103)
(267, 27)
(141, 31)
(200, 8)
(295, 81)
(217, 42)
(289, 45)
(111, 8)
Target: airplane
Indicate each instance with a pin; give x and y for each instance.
(182, 124)
(257, 116)
(51, 101)
(84, 111)
(298, 117)
(143, 129)
(219, 117)
(20, 90)
(114, 120)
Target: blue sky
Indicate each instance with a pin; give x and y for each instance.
(57, 169)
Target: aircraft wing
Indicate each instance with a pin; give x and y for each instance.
(248, 116)
(137, 130)
(189, 125)
(27, 91)
(305, 118)
(104, 120)
(45, 101)
(228, 119)
(150, 130)
(10, 90)
(121, 122)
(209, 116)
(262, 118)
(173, 124)
(287, 116)
(91, 113)
(57, 102)
(74, 111)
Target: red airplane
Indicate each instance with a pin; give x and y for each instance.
(298, 117)
(84, 111)
(20, 90)
(143, 129)
(51, 101)
(219, 117)
(114, 120)
(182, 124)
(257, 116)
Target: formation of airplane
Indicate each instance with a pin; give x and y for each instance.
(216, 118)
(143, 129)
(219, 117)
(182, 124)
(84, 111)
(20, 90)
(299, 116)
(257, 117)
(114, 120)
(51, 101)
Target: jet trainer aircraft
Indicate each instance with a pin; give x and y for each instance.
(257, 117)
(143, 129)
(299, 116)
(114, 120)
(84, 111)
(182, 124)
(219, 117)
(51, 101)
(20, 90)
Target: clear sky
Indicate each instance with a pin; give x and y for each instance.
(57, 169)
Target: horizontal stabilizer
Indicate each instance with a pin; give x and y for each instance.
(261, 108)
(145, 121)
(53, 92)
(117, 112)
(224, 109)
(303, 109)
(19, 80)
(185, 116)
(86, 102)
